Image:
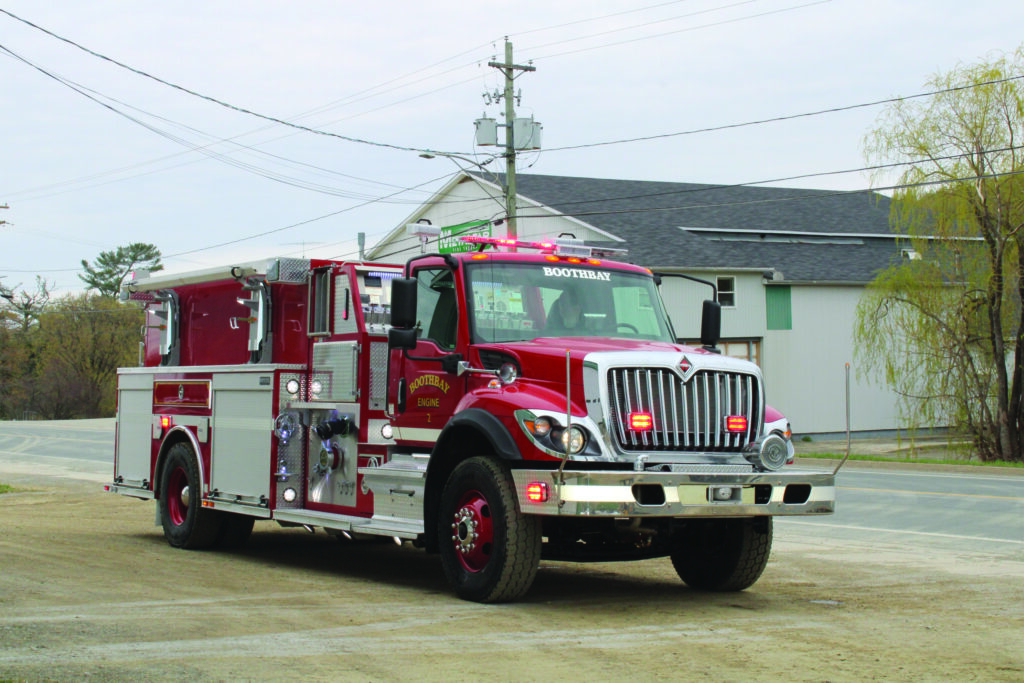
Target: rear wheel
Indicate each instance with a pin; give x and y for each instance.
(723, 554)
(490, 551)
(186, 523)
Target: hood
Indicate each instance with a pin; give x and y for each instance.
(539, 357)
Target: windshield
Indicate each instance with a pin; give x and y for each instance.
(522, 301)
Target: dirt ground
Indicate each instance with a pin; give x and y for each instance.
(89, 590)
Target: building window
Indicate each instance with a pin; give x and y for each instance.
(727, 292)
(778, 307)
(744, 349)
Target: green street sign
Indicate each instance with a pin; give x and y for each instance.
(448, 241)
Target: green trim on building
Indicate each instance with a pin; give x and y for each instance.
(778, 305)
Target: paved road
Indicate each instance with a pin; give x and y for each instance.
(977, 510)
(65, 449)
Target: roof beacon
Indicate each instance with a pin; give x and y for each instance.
(559, 247)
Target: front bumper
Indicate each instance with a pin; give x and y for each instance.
(698, 493)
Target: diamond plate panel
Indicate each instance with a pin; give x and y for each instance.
(292, 461)
(292, 270)
(335, 369)
(378, 375)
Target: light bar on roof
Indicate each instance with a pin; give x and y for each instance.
(559, 247)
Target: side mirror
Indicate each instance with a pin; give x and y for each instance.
(402, 339)
(711, 324)
(403, 304)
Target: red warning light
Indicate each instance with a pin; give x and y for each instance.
(537, 492)
(736, 423)
(641, 422)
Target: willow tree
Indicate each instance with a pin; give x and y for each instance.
(944, 326)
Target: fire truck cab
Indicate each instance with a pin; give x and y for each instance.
(498, 406)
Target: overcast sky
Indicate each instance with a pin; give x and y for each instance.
(162, 166)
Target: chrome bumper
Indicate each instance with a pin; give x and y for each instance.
(674, 494)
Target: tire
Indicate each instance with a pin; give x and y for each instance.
(490, 551)
(186, 523)
(235, 530)
(723, 554)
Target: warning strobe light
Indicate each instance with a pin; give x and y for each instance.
(641, 422)
(736, 424)
(537, 492)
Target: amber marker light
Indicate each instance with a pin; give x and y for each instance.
(552, 258)
(479, 257)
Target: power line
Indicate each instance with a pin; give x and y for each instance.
(247, 237)
(205, 149)
(788, 117)
(682, 30)
(209, 98)
(603, 16)
(707, 188)
(642, 25)
(300, 223)
(818, 194)
(803, 176)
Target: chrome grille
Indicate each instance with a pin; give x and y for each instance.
(686, 416)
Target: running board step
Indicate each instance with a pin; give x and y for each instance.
(375, 525)
(398, 486)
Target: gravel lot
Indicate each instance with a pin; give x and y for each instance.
(89, 590)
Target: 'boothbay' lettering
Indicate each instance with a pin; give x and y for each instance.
(428, 381)
(573, 272)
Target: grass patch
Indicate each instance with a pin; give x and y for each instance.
(923, 461)
(5, 488)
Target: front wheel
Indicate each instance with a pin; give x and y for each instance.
(722, 554)
(490, 551)
(186, 523)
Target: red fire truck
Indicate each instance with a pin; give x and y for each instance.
(511, 403)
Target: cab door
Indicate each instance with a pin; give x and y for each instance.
(426, 394)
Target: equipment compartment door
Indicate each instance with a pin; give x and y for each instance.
(242, 433)
(134, 429)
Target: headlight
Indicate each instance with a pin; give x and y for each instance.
(548, 434)
(573, 439)
(540, 427)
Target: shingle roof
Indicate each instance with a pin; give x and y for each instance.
(838, 244)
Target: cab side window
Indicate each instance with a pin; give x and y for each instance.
(437, 311)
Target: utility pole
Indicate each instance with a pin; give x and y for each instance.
(508, 68)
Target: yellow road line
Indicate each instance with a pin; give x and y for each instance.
(933, 493)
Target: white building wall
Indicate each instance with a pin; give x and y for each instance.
(471, 200)
(805, 368)
(684, 300)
